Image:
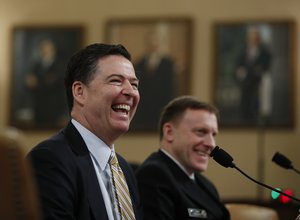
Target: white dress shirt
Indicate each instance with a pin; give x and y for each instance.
(100, 154)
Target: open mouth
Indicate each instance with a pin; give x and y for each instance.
(121, 108)
(201, 153)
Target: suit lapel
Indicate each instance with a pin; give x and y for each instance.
(86, 165)
(188, 186)
(196, 194)
(211, 192)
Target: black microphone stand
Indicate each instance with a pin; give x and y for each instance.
(297, 171)
(224, 159)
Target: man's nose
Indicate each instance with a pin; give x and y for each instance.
(129, 89)
(210, 142)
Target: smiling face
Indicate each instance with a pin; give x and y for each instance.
(108, 103)
(192, 138)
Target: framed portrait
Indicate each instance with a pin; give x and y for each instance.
(161, 52)
(39, 59)
(254, 73)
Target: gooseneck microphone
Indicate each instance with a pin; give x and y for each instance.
(283, 161)
(224, 159)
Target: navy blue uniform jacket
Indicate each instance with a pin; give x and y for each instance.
(167, 193)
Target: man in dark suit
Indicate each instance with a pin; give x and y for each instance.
(72, 169)
(171, 186)
(45, 80)
(252, 69)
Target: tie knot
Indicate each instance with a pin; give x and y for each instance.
(113, 159)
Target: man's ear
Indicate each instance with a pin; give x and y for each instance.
(168, 129)
(78, 90)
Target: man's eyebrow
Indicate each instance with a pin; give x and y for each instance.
(122, 76)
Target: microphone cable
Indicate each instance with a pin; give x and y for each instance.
(224, 159)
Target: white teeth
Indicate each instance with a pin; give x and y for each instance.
(121, 107)
(201, 153)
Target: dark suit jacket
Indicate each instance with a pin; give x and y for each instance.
(167, 193)
(67, 181)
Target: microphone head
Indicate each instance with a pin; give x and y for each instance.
(282, 161)
(222, 157)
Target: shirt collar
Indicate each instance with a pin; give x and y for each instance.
(191, 176)
(97, 148)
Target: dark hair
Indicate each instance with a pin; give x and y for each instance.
(83, 65)
(176, 108)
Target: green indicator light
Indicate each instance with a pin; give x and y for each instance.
(275, 194)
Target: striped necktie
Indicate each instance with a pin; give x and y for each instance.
(121, 189)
